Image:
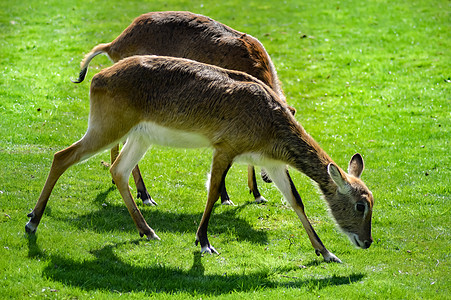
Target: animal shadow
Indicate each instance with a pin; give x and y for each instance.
(113, 217)
(107, 271)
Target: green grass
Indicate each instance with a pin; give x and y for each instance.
(365, 76)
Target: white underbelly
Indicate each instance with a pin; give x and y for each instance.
(156, 134)
(256, 159)
(165, 136)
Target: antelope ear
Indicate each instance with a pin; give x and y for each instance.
(338, 178)
(356, 165)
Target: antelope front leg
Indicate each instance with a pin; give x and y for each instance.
(283, 181)
(220, 166)
(141, 224)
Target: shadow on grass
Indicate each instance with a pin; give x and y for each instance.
(109, 273)
(116, 217)
(33, 249)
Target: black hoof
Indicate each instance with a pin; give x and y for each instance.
(146, 199)
(30, 230)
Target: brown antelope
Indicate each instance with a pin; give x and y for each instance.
(182, 103)
(188, 35)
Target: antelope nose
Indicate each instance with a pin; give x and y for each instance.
(368, 243)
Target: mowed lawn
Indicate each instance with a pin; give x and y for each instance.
(372, 77)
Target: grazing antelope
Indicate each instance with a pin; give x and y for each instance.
(188, 35)
(182, 103)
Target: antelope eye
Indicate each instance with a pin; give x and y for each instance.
(360, 207)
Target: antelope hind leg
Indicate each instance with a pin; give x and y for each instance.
(142, 193)
(121, 169)
(62, 160)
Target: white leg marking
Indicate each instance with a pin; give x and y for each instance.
(134, 149)
(208, 249)
(260, 199)
(207, 183)
(31, 227)
(330, 257)
(148, 202)
(278, 174)
(228, 202)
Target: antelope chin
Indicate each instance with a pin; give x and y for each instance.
(354, 238)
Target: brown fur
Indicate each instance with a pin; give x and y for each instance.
(192, 36)
(238, 116)
(188, 35)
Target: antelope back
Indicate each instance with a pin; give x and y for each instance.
(188, 35)
(230, 108)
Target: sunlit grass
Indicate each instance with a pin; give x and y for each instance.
(370, 77)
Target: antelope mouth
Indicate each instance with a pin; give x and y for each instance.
(364, 245)
(357, 242)
(354, 238)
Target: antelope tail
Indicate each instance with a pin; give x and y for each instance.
(99, 49)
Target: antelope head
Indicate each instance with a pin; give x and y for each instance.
(352, 203)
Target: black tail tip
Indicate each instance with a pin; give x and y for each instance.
(81, 76)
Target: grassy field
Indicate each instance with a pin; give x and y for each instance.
(365, 76)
